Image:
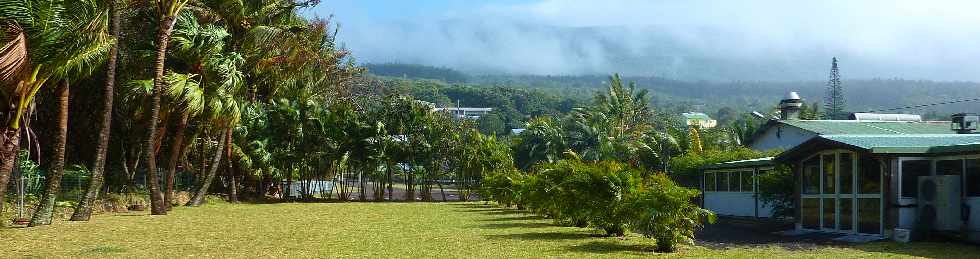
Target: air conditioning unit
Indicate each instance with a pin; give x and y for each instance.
(939, 202)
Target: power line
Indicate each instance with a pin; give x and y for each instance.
(926, 105)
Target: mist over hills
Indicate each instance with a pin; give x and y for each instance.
(709, 96)
(691, 53)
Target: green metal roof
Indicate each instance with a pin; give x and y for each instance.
(911, 143)
(855, 127)
(765, 161)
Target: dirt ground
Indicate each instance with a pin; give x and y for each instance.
(726, 233)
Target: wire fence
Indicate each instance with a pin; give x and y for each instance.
(74, 183)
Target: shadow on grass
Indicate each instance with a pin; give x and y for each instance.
(528, 217)
(515, 225)
(492, 210)
(542, 236)
(606, 246)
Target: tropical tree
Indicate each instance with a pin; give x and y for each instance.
(45, 39)
(83, 210)
(167, 11)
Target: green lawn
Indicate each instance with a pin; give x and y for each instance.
(375, 230)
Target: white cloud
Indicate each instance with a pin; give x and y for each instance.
(752, 39)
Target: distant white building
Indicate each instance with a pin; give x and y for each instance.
(699, 119)
(466, 112)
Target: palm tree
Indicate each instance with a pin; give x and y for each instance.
(543, 140)
(45, 39)
(83, 211)
(167, 11)
(194, 45)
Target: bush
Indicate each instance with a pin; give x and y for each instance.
(776, 190)
(666, 213)
(502, 187)
(601, 192)
(686, 169)
(605, 195)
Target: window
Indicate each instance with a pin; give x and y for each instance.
(846, 173)
(972, 177)
(829, 209)
(811, 176)
(911, 170)
(869, 216)
(846, 220)
(810, 212)
(869, 177)
(828, 174)
(746, 181)
(709, 182)
(723, 181)
(949, 167)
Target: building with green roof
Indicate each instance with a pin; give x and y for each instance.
(869, 178)
(785, 134)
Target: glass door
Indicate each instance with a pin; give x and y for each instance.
(841, 192)
(828, 195)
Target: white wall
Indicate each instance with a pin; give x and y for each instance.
(781, 137)
(734, 204)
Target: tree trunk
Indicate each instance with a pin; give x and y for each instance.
(157, 206)
(42, 215)
(8, 153)
(360, 183)
(233, 192)
(83, 211)
(441, 190)
(175, 151)
(389, 181)
(202, 190)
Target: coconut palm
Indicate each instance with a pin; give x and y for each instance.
(543, 140)
(167, 11)
(194, 46)
(44, 40)
(83, 210)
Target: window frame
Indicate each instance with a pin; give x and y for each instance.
(932, 172)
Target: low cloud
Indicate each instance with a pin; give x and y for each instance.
(694, 40)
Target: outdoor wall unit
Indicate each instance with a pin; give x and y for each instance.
(965, 123)
(939, 202)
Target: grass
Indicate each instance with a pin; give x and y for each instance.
(378, 230)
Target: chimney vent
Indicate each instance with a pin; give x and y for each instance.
(965, 123)
(789, 107)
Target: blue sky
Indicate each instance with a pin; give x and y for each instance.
(790, 39)
(397, 9)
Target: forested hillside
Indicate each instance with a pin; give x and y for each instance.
(741, 96)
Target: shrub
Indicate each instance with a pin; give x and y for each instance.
(776, 190)
(602, 192)
(502, 187)
(666, 213)
(686, 169)
(546, 192)
(605, 195)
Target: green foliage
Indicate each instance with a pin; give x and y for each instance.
(502, 187)
(776, 190)
(416, 71)
(686, 168)
(666, 213)
(542, 141)
(31, 171)
(606, 195)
